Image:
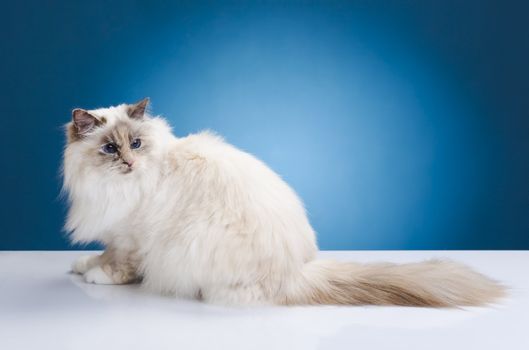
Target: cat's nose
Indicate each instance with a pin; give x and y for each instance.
(129, 163)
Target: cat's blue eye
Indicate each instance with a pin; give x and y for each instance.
(109, 148)
(136, 143)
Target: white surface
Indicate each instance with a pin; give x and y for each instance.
(43, 306)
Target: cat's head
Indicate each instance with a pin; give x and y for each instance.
(117, 140)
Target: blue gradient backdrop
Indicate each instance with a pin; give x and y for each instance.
(402, 124)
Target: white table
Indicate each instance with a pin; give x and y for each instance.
(42, 306)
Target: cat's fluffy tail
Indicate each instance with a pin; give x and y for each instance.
(433, 283)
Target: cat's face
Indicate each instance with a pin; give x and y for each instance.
(115, 140)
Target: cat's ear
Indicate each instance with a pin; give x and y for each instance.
(137, 110)
(83, 121)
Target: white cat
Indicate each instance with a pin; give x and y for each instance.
(195, 217)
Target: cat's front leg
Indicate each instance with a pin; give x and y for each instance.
(85, 263)
(112, 267)
(107, 274)
(97, 275)
(110, 274)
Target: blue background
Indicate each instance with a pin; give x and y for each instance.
(402, 124)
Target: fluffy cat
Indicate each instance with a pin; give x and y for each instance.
(195, 217)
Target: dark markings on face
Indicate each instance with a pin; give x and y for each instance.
(122, 136)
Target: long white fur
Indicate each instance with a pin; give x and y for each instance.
(202, 218)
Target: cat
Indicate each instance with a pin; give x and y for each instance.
(195, 217)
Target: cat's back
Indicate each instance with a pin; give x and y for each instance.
(231, 176)
(207, 153)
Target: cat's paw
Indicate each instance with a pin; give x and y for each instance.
(83, 264)
(96, 275)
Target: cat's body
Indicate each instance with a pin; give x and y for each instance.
(195, 217)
